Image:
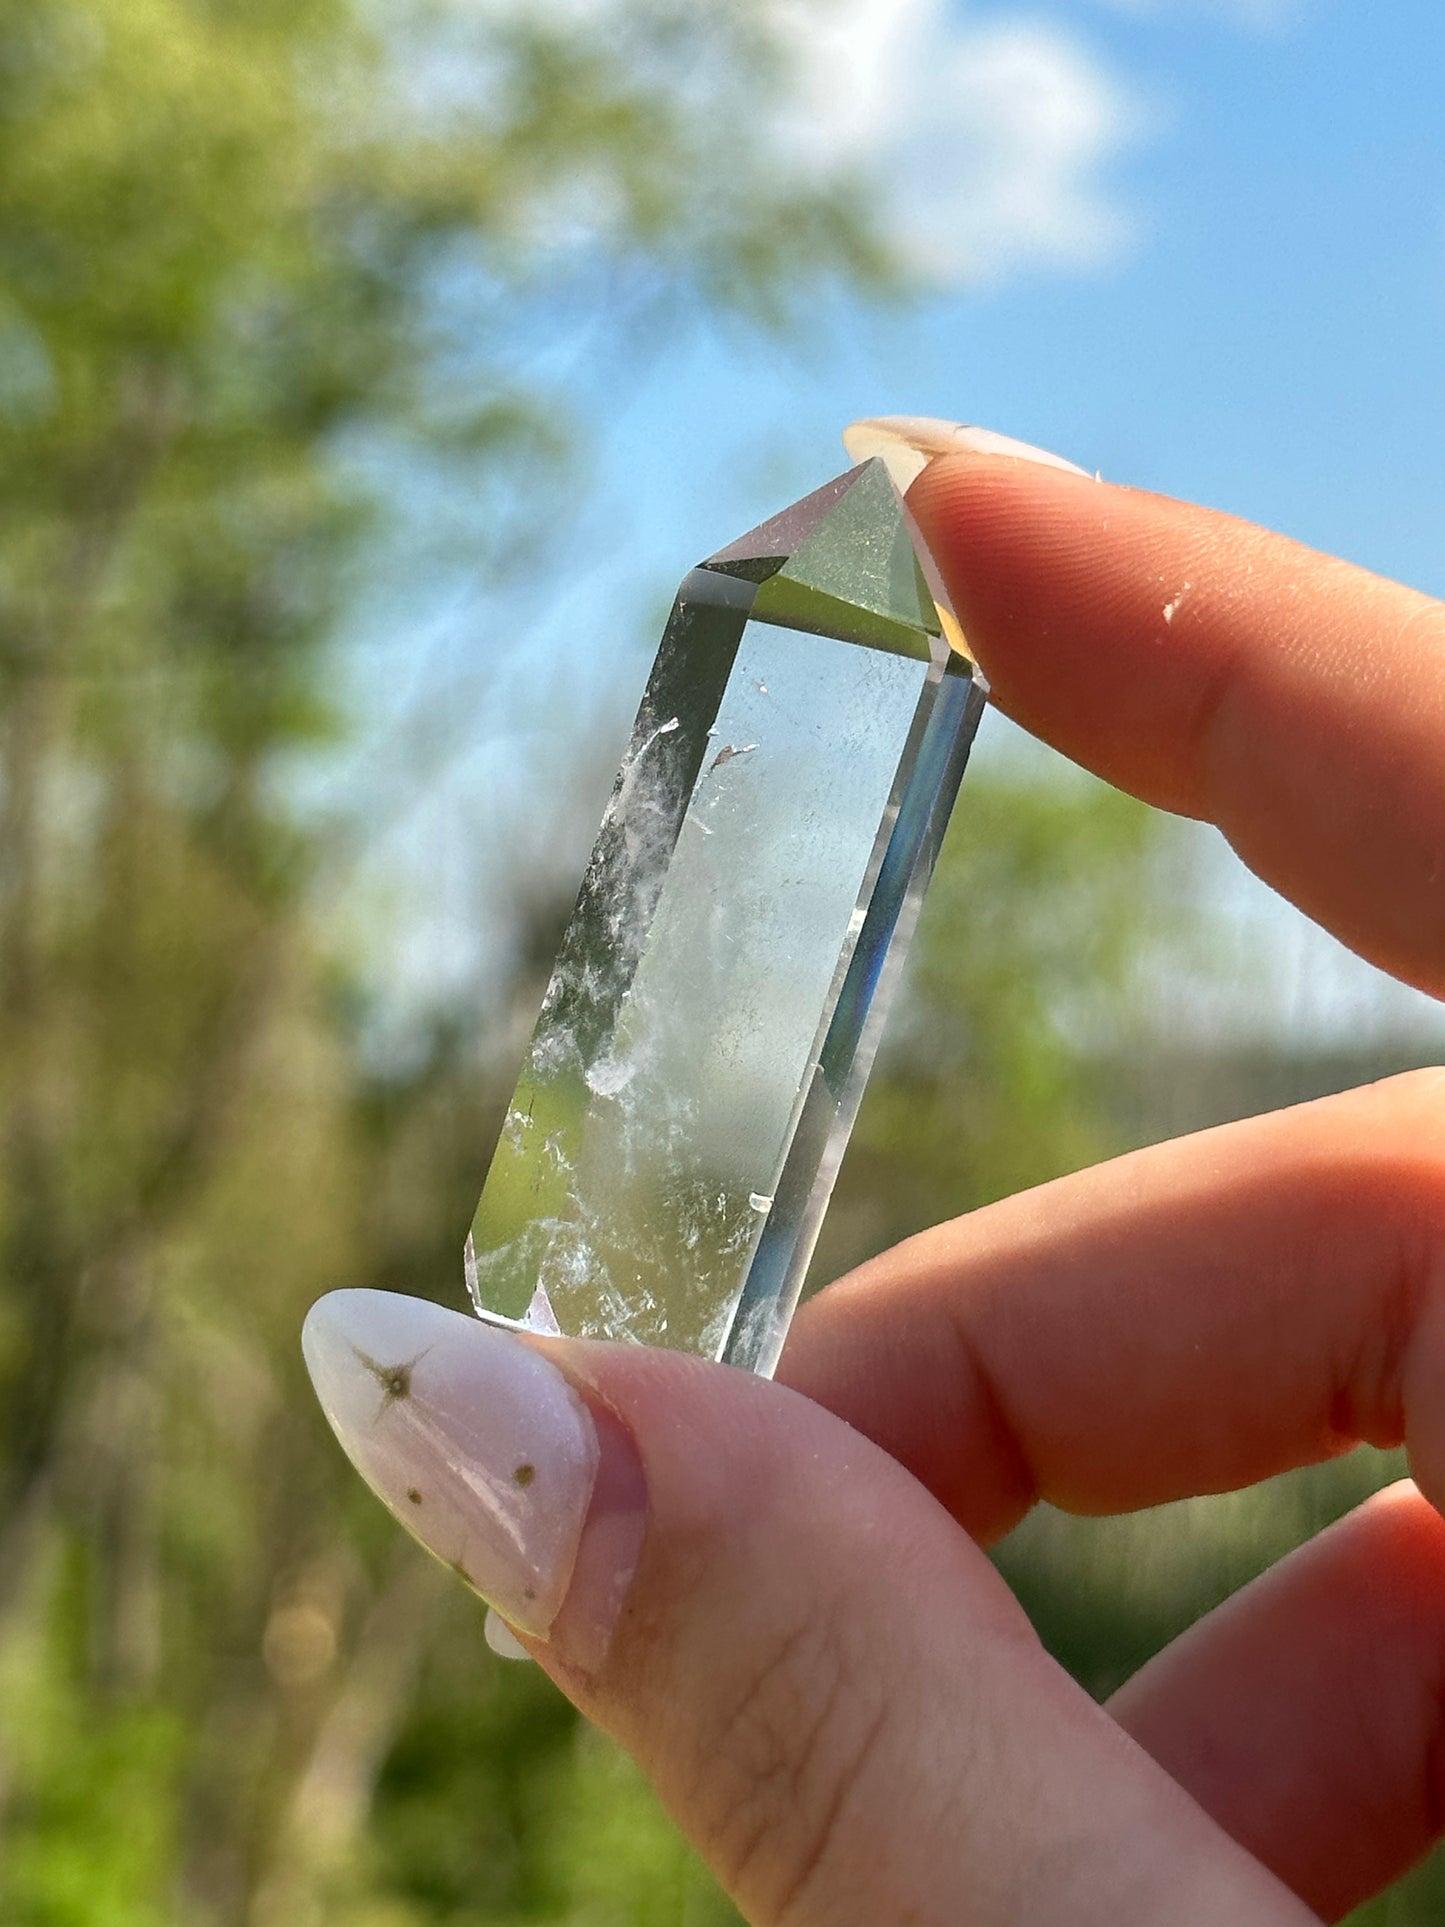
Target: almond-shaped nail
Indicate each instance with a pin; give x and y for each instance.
(488, 1456)
(908, 443)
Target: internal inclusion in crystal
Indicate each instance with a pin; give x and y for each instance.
(714, 1009)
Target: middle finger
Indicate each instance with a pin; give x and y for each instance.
(1187, 1319)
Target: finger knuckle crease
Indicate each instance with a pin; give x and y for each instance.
(785, 1767)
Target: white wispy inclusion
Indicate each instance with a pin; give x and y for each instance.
(667, 1156)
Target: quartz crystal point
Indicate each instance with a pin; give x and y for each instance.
(669, 1151)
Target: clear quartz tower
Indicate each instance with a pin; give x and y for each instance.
(714, 1009)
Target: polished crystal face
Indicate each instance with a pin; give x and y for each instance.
(669, 1151)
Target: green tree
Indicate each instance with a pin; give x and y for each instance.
(256, 261)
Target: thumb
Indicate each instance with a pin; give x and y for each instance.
(827, 1681)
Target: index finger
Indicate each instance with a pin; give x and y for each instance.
(1219, 671)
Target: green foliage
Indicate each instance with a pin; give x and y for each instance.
(1029, 954)
(257, 262)
(96, 1788)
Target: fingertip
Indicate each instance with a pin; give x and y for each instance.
(1217, 670)
(473, 1439)
(1080, 600)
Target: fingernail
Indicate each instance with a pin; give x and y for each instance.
(488, 1456)
(908, 443)
(500, 1637)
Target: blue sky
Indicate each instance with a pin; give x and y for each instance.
(1253, 315)
(1198, 245)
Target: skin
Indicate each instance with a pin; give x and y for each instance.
(817, 1664)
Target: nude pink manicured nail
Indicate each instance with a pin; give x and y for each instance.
(908, 443)
(486, 1453)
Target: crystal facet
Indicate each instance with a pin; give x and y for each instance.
(668, 1154)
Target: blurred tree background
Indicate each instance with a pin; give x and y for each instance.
(259, 259)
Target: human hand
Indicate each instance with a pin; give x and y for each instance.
(776, 1597)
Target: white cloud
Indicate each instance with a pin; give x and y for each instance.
(993, 138)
